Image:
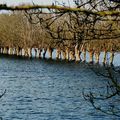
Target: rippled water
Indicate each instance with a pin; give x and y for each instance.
(47, 90)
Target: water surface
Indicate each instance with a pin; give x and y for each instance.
(47, 90)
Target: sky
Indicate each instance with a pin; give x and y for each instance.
(42, 2)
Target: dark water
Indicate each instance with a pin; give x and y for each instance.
(47, 90)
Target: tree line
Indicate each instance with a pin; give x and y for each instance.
(92, 26)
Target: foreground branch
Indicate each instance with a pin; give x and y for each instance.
(59, 8)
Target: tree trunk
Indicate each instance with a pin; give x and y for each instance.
(104, 57)
(50, 50)
(91, 54)
(77, 53)
(63, 54)
(58, 53)
(44, 53)
(35, 49)
(72, 56)
(39, 52)
(29, 52)
(67, 53)
(111, 57)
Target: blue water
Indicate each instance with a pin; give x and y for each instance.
(47, 90)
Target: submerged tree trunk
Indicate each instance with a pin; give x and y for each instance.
(77, 53)
(39, 52)
(44, 52)
(91, 54)
(50, 50)
(105, 56)
(29, 52)
(5, 50)
(97, 55)
(1, 50)
(71, 56)
(15, 51)
(112, 52)
(63, 54)
(58, 53)
(84, 55)
(67, 53)
(35, 49)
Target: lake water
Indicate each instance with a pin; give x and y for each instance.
(48, 90)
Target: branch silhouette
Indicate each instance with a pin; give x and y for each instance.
(59, 8)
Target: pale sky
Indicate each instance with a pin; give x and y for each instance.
(43, 2)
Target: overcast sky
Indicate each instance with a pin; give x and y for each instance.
(43, 2)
